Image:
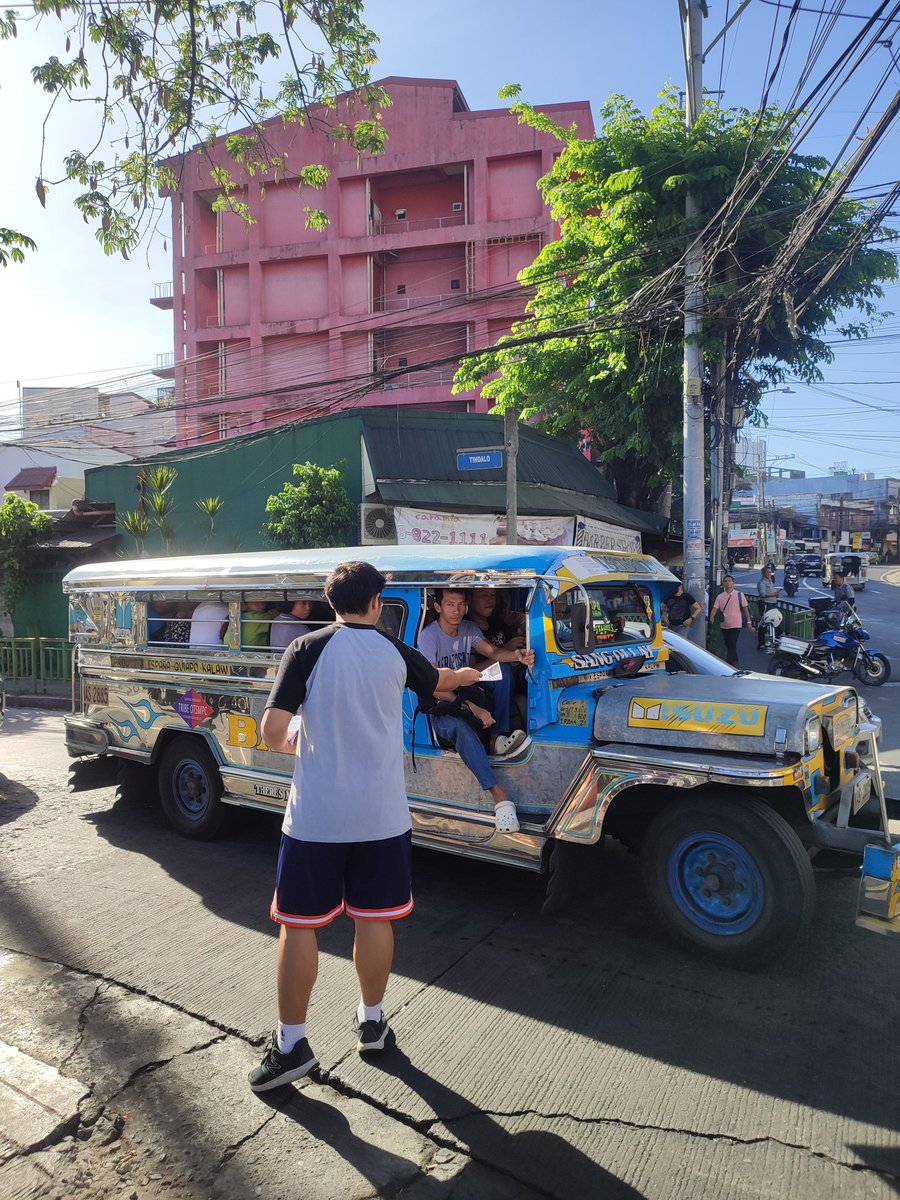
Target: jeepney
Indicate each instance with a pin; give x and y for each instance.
(855, 567)
(726, 786)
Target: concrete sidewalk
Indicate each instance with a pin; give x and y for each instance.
(107, 1093)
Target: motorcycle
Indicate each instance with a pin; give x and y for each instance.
(835, 650)
(791, 581)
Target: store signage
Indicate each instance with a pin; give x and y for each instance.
(418, 527)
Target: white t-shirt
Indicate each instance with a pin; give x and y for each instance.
(284, 629)
(207, 620)
(347, 682)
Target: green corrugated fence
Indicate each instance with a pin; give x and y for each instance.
(799, 621)
(38, 666)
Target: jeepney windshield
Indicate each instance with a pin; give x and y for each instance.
(619, 612)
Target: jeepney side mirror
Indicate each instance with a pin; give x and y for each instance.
(583, 638)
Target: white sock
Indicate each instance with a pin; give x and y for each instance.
(289, 1036)
(368, 1012)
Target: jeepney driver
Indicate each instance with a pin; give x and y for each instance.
(450, 642)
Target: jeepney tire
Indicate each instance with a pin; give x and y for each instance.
(762, 890)
(879, 673)
(190, 789)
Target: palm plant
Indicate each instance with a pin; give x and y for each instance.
(136, 525)
(210, 506)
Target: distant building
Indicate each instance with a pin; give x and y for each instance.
(49, 478)
(126, 421)
(274, 321)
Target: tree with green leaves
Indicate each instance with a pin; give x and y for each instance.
(315, 511)
(164, 77)
(22, 525)
(613, 281)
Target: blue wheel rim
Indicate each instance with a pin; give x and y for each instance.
(191, 789)
(716, 883)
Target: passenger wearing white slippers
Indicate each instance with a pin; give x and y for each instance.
(463, 721)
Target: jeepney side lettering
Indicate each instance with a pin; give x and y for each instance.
(243, 731)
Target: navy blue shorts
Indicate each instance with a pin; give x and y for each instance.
(317, 881)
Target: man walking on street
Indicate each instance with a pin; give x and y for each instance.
(768, 594)
(346, 840)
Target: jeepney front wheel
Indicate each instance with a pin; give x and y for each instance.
(190, 788)
(729, 879)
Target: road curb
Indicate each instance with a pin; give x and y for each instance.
(60, 703)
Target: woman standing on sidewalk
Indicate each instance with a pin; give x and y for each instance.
(731, 607)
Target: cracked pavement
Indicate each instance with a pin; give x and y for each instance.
(578, 1055)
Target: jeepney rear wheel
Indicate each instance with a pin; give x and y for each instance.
(729, 879)
(190, 788)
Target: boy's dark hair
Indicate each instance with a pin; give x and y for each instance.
(439, 593)
(352, 586)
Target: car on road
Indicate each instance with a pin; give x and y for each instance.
(810, 564)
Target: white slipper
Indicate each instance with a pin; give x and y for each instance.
(510, 743)
(505, 817)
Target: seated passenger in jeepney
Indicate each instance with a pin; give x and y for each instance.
(256, 620)
(209, 621)
(449, 642)
(488, 608)
(289, 625)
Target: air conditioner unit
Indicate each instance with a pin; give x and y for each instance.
(376, 526)
(456, 206)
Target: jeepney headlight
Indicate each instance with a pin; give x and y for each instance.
(813, 735)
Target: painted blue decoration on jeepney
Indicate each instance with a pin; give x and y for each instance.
(128, 729)
(123, 614)
(716, 883)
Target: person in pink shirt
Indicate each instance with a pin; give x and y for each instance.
(731, 608)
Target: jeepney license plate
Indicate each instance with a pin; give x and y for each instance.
(862, 790)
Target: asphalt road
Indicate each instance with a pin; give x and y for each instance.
(878, 606)
(576, 1056)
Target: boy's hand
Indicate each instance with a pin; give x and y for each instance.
(486, 718)
(526, 657)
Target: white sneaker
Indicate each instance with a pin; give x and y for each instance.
(505, 817)
(509, 743)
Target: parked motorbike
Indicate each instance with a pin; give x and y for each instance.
(791, 581)
(834, 651)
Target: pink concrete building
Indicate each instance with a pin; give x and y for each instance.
(274, 321)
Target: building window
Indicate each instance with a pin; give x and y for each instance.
(40, 497)
(454, 285)
(103, 406)
(456, 206)
(401, 289)
(402, 362)
(400, 214)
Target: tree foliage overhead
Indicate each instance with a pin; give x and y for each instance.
(614, 280)
(315, 511)
(167, 75)
(22, 524)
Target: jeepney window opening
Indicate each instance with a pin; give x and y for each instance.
(519, 601)
(619, 614)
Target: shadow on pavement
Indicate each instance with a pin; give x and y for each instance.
(534, 1159)
(15, 800)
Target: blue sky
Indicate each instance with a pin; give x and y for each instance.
(70, 315)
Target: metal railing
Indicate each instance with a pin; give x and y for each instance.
(419, 300)
(38, 666)
(405, 225)
(799, 621)
(163, 361)
(162, 291)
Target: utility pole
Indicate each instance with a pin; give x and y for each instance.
(693, 12)
(511, 438)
